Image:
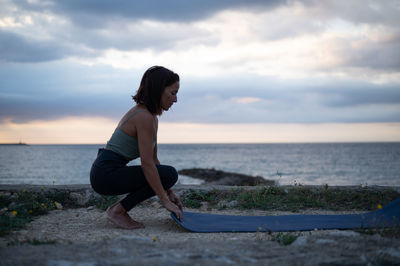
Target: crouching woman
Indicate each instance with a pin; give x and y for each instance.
(134, 137)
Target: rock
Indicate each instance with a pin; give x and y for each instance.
(343, 233)
(300, 241)
(156, 205)
(3, 211)
(225, 204)
(135, 237)
(222, 204)
(58, 205)
(232, 204)
(325, 241)
(90, 208)
(69, 263)
(14, 196)
(392, 252)
(5, 194)
(80, 199)
(217, 177)
(12, 205)
(12, 214)
(205, 206)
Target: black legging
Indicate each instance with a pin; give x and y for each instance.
(111, 176)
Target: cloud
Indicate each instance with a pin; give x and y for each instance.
(380, 54)
(295, 36)
(245, 100)
(55, 90)
(37, 35)
(343, 94)
(270, 100)
(16, 48)
(240, 61)
(95, 13)
(357, 11)
(125, 35)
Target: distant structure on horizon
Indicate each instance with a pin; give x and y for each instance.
(19, 143)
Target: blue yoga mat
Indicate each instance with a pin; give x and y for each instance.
(388, 216)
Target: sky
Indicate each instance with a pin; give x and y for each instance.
(251, 70)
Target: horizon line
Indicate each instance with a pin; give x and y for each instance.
(210, 143)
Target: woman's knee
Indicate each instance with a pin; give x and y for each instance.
(168, 175)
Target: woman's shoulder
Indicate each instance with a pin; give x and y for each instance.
(142, 116)
(142, 113)
(133, 115)
(139, 111)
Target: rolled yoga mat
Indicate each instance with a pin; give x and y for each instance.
(388, 216)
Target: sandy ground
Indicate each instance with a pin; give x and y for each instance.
(91, 224)
(85, 237)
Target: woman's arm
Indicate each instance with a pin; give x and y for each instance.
(155, 156)
(145, 133)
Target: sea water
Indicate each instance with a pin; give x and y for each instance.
(322, 163)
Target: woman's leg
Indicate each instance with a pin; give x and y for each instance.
(168, 177)
(131, 180)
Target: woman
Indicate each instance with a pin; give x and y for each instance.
(136, 136)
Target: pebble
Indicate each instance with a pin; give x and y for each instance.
(14, 196)
(300, 241)
(80, 198)
(3, 211)
(226, 204)
(135, 237)
(156, 205)
(11, 214)
(343, 233)
(5, 194)
(325, 241)
(204, 206)
(58, 205)
(232, 204)
(12, 205)
(70, 263)
(391, 252)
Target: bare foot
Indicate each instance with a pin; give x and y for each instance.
(117, 214)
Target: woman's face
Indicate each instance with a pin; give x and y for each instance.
(169, 96)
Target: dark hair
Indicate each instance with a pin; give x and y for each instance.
(152, 86)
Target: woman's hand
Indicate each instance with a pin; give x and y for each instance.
(172, 207)
(175, 199)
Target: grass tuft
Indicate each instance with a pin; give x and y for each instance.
(284, 239)
(103, 202)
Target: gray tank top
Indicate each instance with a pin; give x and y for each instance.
(123, 144)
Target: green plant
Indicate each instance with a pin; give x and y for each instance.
(103, 202)
(193, 198)
(284, 239)
(34, 241)
(25, 205)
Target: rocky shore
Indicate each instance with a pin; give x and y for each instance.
(77, 233)
(217, 177)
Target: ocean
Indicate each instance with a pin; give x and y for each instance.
(307, 164)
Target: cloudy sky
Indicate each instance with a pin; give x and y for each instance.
(251, 71)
